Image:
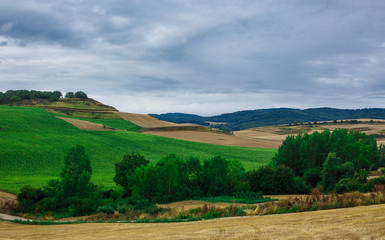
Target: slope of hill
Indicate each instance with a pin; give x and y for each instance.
(264, 117)
(33, 143)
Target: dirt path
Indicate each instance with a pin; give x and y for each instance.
(86, 125)
(349, 223)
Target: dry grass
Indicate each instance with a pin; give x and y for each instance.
(144, 120)
(366, 222)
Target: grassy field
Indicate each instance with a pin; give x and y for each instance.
(33, 143)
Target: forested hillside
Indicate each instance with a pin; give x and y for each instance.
(275, 116)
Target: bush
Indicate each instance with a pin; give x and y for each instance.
(241, 212)
(123, 208)
(212, 214)
(107, 209)
(138, 203)
(375, 181)
(28, 196)
(347, 185)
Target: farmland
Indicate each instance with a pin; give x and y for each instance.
(34, 143)
(349, 223)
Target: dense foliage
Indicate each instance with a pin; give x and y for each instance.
(11, 96)
(328, 157)
(276, 116)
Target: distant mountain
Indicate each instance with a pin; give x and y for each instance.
(275, 116)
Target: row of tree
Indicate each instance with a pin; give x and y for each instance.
(174, 179)
(326, 157)
(18, 95)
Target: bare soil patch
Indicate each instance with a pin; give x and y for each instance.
(85, 125)
(366, 222)
(216, 138)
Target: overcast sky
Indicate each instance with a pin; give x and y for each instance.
(201, 57)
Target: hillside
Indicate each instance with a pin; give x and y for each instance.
(35, 141)
(276, 116)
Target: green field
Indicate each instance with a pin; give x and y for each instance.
(33, 143)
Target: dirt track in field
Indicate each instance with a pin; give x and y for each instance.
(86, 125)
(216, 138)
(349, 223)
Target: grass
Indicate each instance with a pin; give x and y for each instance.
(33, 143)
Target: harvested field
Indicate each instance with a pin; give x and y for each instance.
(216, 138)
(144, 120)
(349, 223)
(276, 134)
(85, 125)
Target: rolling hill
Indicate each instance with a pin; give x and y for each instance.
(276, 116)
(33, 143)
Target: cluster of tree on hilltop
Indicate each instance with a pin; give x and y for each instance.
(12, 96)
(276, 116)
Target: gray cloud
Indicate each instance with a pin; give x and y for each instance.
(198, 56)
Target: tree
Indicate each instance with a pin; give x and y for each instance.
(76, 174)
(70, 95)
(215, 176)
(125, 169)
(80, 94)
(334, 169)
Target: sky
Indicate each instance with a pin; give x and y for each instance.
(199, 57)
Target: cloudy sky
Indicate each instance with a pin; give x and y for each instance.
(202, 57)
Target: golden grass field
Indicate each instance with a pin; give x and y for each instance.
(349, 223)
(144, 120)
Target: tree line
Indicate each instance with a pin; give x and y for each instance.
(11, 96)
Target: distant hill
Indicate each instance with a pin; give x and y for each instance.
(275, 116)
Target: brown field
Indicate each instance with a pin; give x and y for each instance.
(86, 125)
(215, 138)
(349, 223)
(144, 120)
(276, 134)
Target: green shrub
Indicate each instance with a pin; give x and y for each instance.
(241, 212)
(123, 208)
(212, 214)
(375, 181)
(107, 209)
(348, 185)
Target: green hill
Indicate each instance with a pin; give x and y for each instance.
(33, 143)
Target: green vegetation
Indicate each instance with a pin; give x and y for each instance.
(34, 142)
(326, 158)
